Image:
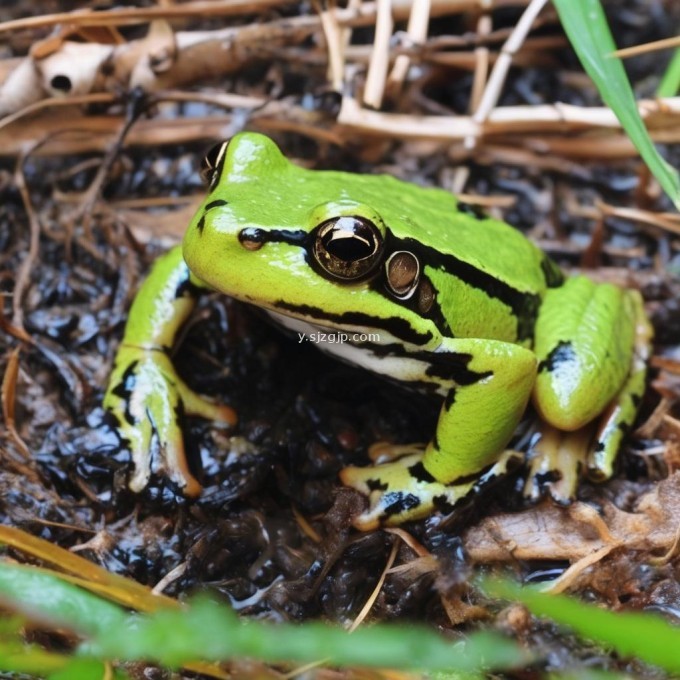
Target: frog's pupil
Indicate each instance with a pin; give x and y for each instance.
(347, 247)
(349, 240)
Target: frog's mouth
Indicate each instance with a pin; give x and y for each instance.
(363, 348)
(308, 330)
(354, 327)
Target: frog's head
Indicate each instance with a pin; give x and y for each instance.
(312, 245)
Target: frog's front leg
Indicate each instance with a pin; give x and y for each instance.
(487, 384)
(592, 342)
(145, 394)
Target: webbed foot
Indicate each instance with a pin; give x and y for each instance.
(147, 398)
(403, 490)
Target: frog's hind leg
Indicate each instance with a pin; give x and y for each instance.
(406, 491)
(487, 385)
(619, 417)
(621, 337)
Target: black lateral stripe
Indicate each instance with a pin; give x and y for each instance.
(434, 314)
(451, 366)
(294, 237)
(524, 305)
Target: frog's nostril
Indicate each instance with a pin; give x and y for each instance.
(252, 238)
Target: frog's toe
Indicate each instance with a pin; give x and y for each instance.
(403, 490)
(395, 493)
(557, 461)
(196, 405)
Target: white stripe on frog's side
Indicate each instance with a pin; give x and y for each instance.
(403, 368)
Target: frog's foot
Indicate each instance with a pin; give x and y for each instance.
(148, 398)
(557, 461)
(404, 490)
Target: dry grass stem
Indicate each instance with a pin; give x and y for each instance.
(482, 63)
(377, 68)
(335, 42)
(508, 119)
(502, 66)
(666, 44)
(364, 14)
(416, 31)
(140, 15)
(376, 591)
(27, 264)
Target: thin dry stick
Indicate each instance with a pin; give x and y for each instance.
(352, 6)
(334, 42)
(501, 67)
(376, 591)
(84, 211)
(9, 387)
(484, 28)
(507, 119)
(667, 221)
(567, 579)
(417, 33)
(93, 98)
(377, 69)
(481, 73)
(362, 14)
(141, 15)
(664, 44)
(24, 273)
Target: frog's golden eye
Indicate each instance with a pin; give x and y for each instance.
(211, 162)
(348, 247)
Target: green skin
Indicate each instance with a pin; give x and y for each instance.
(475, 313)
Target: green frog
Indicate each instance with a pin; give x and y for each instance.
(411, 284)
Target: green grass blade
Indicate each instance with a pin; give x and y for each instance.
(644, 636)
(86, 669)
(37, 593)
(586, 27)
(212, 632)
(206, 630)
(670, 83)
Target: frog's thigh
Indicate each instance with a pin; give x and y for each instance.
(584, 344)
(482, 410)
(592, 342)
(489, 385)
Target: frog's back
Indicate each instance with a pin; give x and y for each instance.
(432, 219)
